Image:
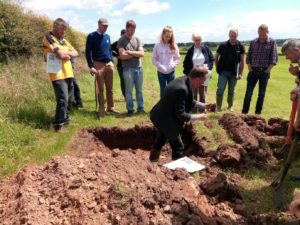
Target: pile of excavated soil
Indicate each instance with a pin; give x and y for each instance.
(113, 182)
(255, 139)
(118, 187)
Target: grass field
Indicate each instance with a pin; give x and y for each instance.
(27, 107)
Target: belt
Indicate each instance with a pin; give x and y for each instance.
(103, 61)
(259, 68)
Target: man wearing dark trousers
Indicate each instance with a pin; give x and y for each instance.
(59, 50)
(172, 110)
(77, 96)
(115, 52)
(261, 57)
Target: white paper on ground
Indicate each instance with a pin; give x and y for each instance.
(53, 64)
(186, 163)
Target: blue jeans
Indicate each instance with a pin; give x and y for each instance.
(252, 79)
(164, 79)
(224, 77)
(133, 76)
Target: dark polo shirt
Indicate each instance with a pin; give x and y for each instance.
(230, 55)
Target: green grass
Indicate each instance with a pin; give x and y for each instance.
(27, 106)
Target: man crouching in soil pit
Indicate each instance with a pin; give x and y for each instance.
(172, 110)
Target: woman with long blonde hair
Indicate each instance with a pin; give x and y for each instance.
(166, 57)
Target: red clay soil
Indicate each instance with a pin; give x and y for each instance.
(211, 107)
(106, 185)
(274, 126)
(109, 187)
(260, 140)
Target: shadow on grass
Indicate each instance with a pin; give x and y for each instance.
(259, 195)
(91, 113)
(32, 114)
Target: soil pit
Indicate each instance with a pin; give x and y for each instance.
(113, 182)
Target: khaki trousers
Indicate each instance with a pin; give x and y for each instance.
(105, 76)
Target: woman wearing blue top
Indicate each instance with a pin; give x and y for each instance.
(199, 55)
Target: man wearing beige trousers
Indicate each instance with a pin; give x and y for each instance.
(100, 61)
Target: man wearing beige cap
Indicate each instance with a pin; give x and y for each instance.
(100, 61)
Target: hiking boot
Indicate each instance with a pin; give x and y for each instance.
(154, 155)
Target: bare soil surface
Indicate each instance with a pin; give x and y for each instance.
(113, 182)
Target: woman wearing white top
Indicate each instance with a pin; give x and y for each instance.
(199, 55)
(166, 57)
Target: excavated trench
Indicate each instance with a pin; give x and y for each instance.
(113, 182)
(142, 137)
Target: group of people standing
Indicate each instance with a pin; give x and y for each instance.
(229, 60)
(129, 50)
(180, 96)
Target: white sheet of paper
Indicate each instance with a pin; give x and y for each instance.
(53, 64)
(237, 70)
(186, 163)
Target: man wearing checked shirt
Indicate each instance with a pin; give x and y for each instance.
(261, 57)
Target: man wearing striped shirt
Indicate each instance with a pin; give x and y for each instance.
(261, 57)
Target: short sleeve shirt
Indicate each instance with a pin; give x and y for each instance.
(132, 44)
(230, 55)
(51, 45)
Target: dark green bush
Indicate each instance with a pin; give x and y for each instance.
(21, 32)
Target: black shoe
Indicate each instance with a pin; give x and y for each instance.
(58, 127)
(141, 111)
(79, 105)
(67, 121)
(154, 155)
(177, 156)
(130, 113)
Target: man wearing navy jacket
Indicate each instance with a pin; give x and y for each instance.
(172, 110)
(100, 61)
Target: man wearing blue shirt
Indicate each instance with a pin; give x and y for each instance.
(100, 61)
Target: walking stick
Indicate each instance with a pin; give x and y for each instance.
(96, 93)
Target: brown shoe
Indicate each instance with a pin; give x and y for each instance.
(154, 155)
(112, 110)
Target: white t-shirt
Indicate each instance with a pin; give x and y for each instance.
(198, 57)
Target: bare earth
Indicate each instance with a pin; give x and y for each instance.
(113, 182)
